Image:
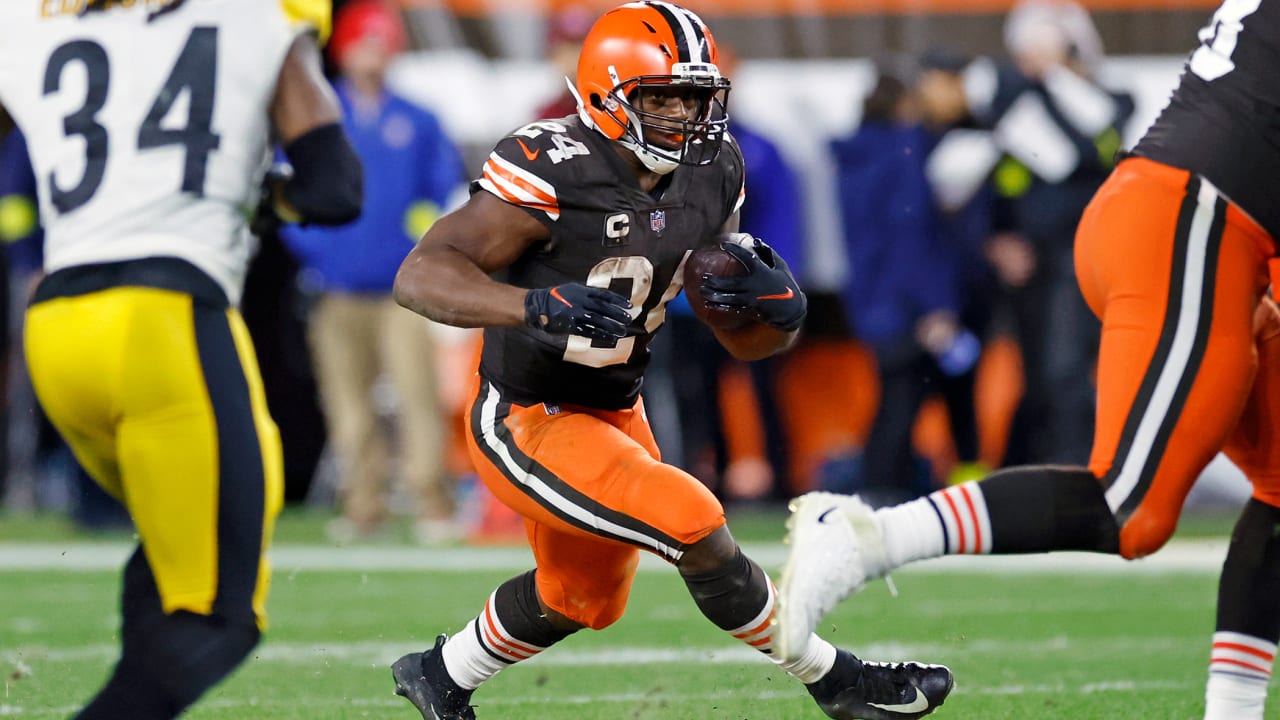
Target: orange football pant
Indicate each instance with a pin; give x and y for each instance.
(1178, 276)
(593, 491)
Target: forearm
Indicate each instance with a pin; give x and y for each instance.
(445, 286)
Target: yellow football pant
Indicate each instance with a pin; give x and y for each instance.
(160, 397)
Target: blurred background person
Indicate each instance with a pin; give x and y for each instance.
(721, 417)
(46, 474)
(903, 296)
(357, 331)
(1045, 134)
(566, 29)
(1063, 133)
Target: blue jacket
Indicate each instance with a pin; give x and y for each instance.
(19, 217)
(407, 159)
(900, 266)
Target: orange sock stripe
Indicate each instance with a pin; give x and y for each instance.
(973, 513)
(502, 643)
(1269, 657)
(1239, 663)
(955, 514)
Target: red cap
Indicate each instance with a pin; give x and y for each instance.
(363, 19)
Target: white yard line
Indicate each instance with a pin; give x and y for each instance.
(1178, 556)
(383, 653)
(497, 698)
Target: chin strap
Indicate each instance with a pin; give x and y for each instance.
(654, 162)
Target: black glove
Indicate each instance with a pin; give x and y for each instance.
(767, 292)
(577, 309)
(266, 220)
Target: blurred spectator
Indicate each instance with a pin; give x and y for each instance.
(39, 455)
(357, 331)
(693, 362)
(1047, 136)
(904, 293)
(565, 31)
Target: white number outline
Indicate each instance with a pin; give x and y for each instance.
(639, 269)
(1218, 39)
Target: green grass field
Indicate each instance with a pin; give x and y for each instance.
(1087, 642)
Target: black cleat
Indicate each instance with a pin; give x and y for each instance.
(860, 690)
(422, 679)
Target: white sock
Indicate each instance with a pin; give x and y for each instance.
(483, 648)
(467, 661)
(818, 659)
(819, 655)
(946, 522)
(1239, 670)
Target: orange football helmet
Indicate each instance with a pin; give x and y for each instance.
(662, 51)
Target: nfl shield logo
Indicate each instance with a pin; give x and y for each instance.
(658, 220)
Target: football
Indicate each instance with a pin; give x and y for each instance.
(711, 260)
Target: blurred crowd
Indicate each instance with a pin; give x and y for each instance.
(957, 341)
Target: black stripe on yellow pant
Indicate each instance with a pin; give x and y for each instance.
(160, 398)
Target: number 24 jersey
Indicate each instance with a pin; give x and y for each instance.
(605, 231)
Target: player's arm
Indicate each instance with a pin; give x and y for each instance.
(768, 290)
(327, 184)
(446, 277)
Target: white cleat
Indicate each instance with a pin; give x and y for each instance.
(835, 549)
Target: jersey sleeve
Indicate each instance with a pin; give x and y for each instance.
(520, 172)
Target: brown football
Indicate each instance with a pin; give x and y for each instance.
(711, 260)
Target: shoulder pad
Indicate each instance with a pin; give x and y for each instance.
(520, 170)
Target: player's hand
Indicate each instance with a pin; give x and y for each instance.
(768, 291)
(272, 210)
(577, 309)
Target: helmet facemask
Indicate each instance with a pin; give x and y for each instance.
(661, 141)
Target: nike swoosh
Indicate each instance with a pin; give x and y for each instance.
(917, 705)
(532, 155)
(555, 293)
(780, 296)
(822, 519)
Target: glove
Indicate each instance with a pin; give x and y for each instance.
(577, 309)
(267, 217)
(768, 291)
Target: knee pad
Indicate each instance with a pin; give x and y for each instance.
(731, 595)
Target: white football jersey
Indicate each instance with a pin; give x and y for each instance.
(148, 134)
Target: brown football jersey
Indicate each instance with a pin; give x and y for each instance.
(1223, 121)
(605, 231)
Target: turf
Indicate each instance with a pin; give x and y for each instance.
(1022, 645)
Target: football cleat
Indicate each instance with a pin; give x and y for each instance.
(422, 679)
(860, 690)
(835, 549)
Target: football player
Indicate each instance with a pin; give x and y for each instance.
(1172, 255)
(148, 125)
(589, 219)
